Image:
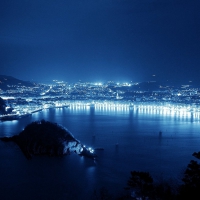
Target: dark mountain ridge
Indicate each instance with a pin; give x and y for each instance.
(7, 82)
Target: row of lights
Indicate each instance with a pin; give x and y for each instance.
(163, 110)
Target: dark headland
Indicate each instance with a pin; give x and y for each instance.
(47, 138)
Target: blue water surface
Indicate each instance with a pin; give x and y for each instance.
(159, 143)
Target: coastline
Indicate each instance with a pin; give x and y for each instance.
(11, 117)
(169, 108)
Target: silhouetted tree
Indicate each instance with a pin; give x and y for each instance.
(165, 190)
(191, 186)
(102, 194)
(141, 183)
(143, 186)
(196, 155)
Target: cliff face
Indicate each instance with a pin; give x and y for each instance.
(46, 138)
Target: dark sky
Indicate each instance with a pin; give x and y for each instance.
(98, 40)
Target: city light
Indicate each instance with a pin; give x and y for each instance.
(103, 97)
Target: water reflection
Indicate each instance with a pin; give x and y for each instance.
(89, 113)
(129, 136)
(140, 111)
(8, 127)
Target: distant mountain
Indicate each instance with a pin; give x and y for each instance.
(7, 82)
(150, 86)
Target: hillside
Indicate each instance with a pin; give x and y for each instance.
(47, 138)
(7, 82)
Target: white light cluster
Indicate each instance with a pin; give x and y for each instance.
(91, 150)
(166, 110)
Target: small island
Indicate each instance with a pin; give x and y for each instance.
(47, 138)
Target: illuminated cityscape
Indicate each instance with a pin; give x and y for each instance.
(110, 96)
(99, 99)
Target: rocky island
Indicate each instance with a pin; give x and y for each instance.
(47, 138)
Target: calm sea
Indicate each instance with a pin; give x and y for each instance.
(131, 141)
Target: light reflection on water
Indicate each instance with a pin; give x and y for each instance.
(151, 112)
(7, 127)
(131, 140)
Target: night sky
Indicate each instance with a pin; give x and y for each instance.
(100, 40)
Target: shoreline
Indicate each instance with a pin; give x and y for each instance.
(139, 106)
(11, 117)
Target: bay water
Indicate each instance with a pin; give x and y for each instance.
(157, 142)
